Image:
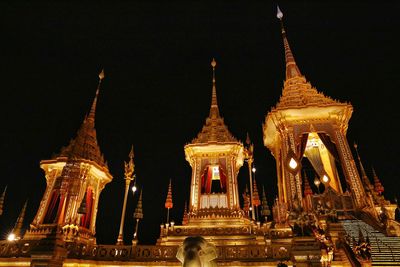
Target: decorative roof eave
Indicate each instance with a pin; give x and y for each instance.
(228, 148)
(212, 144)
(305, 106)
(61, 161)
(278, 119)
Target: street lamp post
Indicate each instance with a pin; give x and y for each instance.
(129, 177)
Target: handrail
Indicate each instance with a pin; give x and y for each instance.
(373, 235)
(350, 255)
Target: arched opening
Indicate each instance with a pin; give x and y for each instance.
(322, 156)
(213, 180)
(86, 218)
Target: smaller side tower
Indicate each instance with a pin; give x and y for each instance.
(75, 179)
(214, 210)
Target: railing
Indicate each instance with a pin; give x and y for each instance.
(16, 249)
(350, 255)
(374, 236)
(139, 253)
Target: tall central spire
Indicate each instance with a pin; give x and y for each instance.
(214, 111)
(291, 68)
(92, 113)
(85, 144)
(214, 129)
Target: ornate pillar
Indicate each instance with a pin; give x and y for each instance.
(350, 169)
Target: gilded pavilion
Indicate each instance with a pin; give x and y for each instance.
(344, 220)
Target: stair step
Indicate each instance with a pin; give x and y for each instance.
(385, 251)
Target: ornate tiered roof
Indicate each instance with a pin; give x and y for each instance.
(297, 93)
(214, 130)
(84, 145)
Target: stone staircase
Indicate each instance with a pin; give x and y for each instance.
(385, 251)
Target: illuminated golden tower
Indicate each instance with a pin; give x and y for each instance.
(306, 123)
(214, 211)
(215, 157)
(75, 179)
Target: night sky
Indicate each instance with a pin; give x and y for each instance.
(157, 90)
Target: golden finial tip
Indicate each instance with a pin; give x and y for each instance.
(213, 63)
(101, 74)
(279, 13)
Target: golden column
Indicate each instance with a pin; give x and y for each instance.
(249, 157)
(129, 177)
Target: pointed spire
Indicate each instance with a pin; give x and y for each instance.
(92, 113)
(138, 214)
(20, 221)
(291, 67)
(214, 111)
(85, 145)
(256, 197)
(377, 183)
(307, 187)
(3, 196)
(185, 215)
(264, 204)
(214, 130)
(168, 202)
(367, 182)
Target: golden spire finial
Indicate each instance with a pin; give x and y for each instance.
(101, 74)
(92, 113)
(214, 112)
(213, 65)
(129, 166)
(291, 68)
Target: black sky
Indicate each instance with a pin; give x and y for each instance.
(156, 94)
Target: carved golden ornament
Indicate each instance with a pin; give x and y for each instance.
(213, 63)
(101, 74)
(129, 166)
